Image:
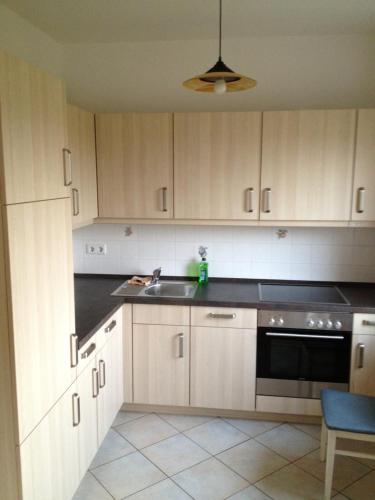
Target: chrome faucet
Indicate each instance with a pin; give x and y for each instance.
(156, 276)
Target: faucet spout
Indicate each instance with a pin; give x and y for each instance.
(156, 276)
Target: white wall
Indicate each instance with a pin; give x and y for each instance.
(240, 252)
(22, 39)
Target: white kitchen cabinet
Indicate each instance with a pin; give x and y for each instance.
(362, 376)
(49, 457)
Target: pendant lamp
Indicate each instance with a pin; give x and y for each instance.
(220, 78)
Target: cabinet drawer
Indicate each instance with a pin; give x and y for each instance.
(364, 324)
(161, 315)
(224, 317)
(293, 406)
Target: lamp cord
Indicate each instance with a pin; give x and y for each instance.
(220, 22)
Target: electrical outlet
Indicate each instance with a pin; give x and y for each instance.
(96, 248)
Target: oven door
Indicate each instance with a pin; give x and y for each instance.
(299, 363)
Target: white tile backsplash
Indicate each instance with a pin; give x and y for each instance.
(337, 254)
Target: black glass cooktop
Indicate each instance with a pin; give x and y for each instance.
(317, 294)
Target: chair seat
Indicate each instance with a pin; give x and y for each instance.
(348, 412)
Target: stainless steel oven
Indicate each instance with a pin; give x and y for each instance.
(300, 353)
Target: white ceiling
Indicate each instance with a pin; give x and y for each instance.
(165, 20)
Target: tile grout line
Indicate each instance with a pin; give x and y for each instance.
(101, 484)
(113, 460)
(357, 480)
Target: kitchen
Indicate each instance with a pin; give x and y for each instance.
(113, 166)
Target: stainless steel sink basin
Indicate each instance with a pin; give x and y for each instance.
(171, 289)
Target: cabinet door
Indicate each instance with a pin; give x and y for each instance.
(42, 307)
(362, 375)
(161, 364)
(217, 165)
(88, 391)
(33, 121)
(49, 457)
(364, 185)
(135, 170)
(111, 383)
(81, 140)
(307, 165)
(223, 368)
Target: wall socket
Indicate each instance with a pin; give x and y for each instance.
(96, 248)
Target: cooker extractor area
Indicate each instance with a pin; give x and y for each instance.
(299, 353)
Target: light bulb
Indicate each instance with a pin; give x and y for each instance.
(220, 86)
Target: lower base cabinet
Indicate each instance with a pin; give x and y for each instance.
(362, 377)
(223, 364)
(161, 364)
(49, 457)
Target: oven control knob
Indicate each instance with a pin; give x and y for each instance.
(310, 323)
(272, 321)
(280, 322)
(329, 324)
(338, 325)
(319, 323)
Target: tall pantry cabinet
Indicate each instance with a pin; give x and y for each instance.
(36, 280)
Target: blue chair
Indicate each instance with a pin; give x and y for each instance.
(348, 416)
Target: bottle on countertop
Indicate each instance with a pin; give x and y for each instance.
(203, 266)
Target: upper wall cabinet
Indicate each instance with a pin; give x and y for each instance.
(32, 121)
(81, 139)
(364, 173)
(135, 165)
(217, 165)
(307, 165)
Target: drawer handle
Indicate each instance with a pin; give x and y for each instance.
(366, 322)
(67, 160)
(111, 326)
(361, 200)
(76, 416)
(267, 200)
(180, 345)
(75, 199)
(361, 355)
(249, 200)
(102, 380)
(164, 204)
(88, 351)
(222, 315)
(73, 350)
(95, 383)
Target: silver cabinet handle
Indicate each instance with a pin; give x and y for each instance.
(164, 204)
(102, 380)
(297, 336)
(222, 316)
(67, 158)
(75, 198)
(111, 326)
(366, 322)
(73, 350)
(88, 351)
(95, 383)
(76, 404)
(361, 355)
(180, 345)
(360, 200)
(249, 200)
(267, 200)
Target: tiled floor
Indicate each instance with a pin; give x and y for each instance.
(176, 457)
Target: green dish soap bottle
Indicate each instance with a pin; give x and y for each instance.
(203, 266)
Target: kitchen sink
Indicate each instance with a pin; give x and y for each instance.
(170, 289)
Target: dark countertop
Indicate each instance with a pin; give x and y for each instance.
(94, 303)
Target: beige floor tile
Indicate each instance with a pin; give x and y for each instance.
(252, 427)
(362, 446)
(364, 489)
(185, 422)
(114, 446)
(90, 489)
(146, 430)
(339, 496)
(313, 430)
(126, 416)
(345, 473)
(165, 490)
(175, 454)
(216, 436)
(292, 483)
(288, 441)
(252, 460)
(128, 475)
(250, 493)
(210, 480)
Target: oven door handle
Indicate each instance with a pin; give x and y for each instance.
(296, 335)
